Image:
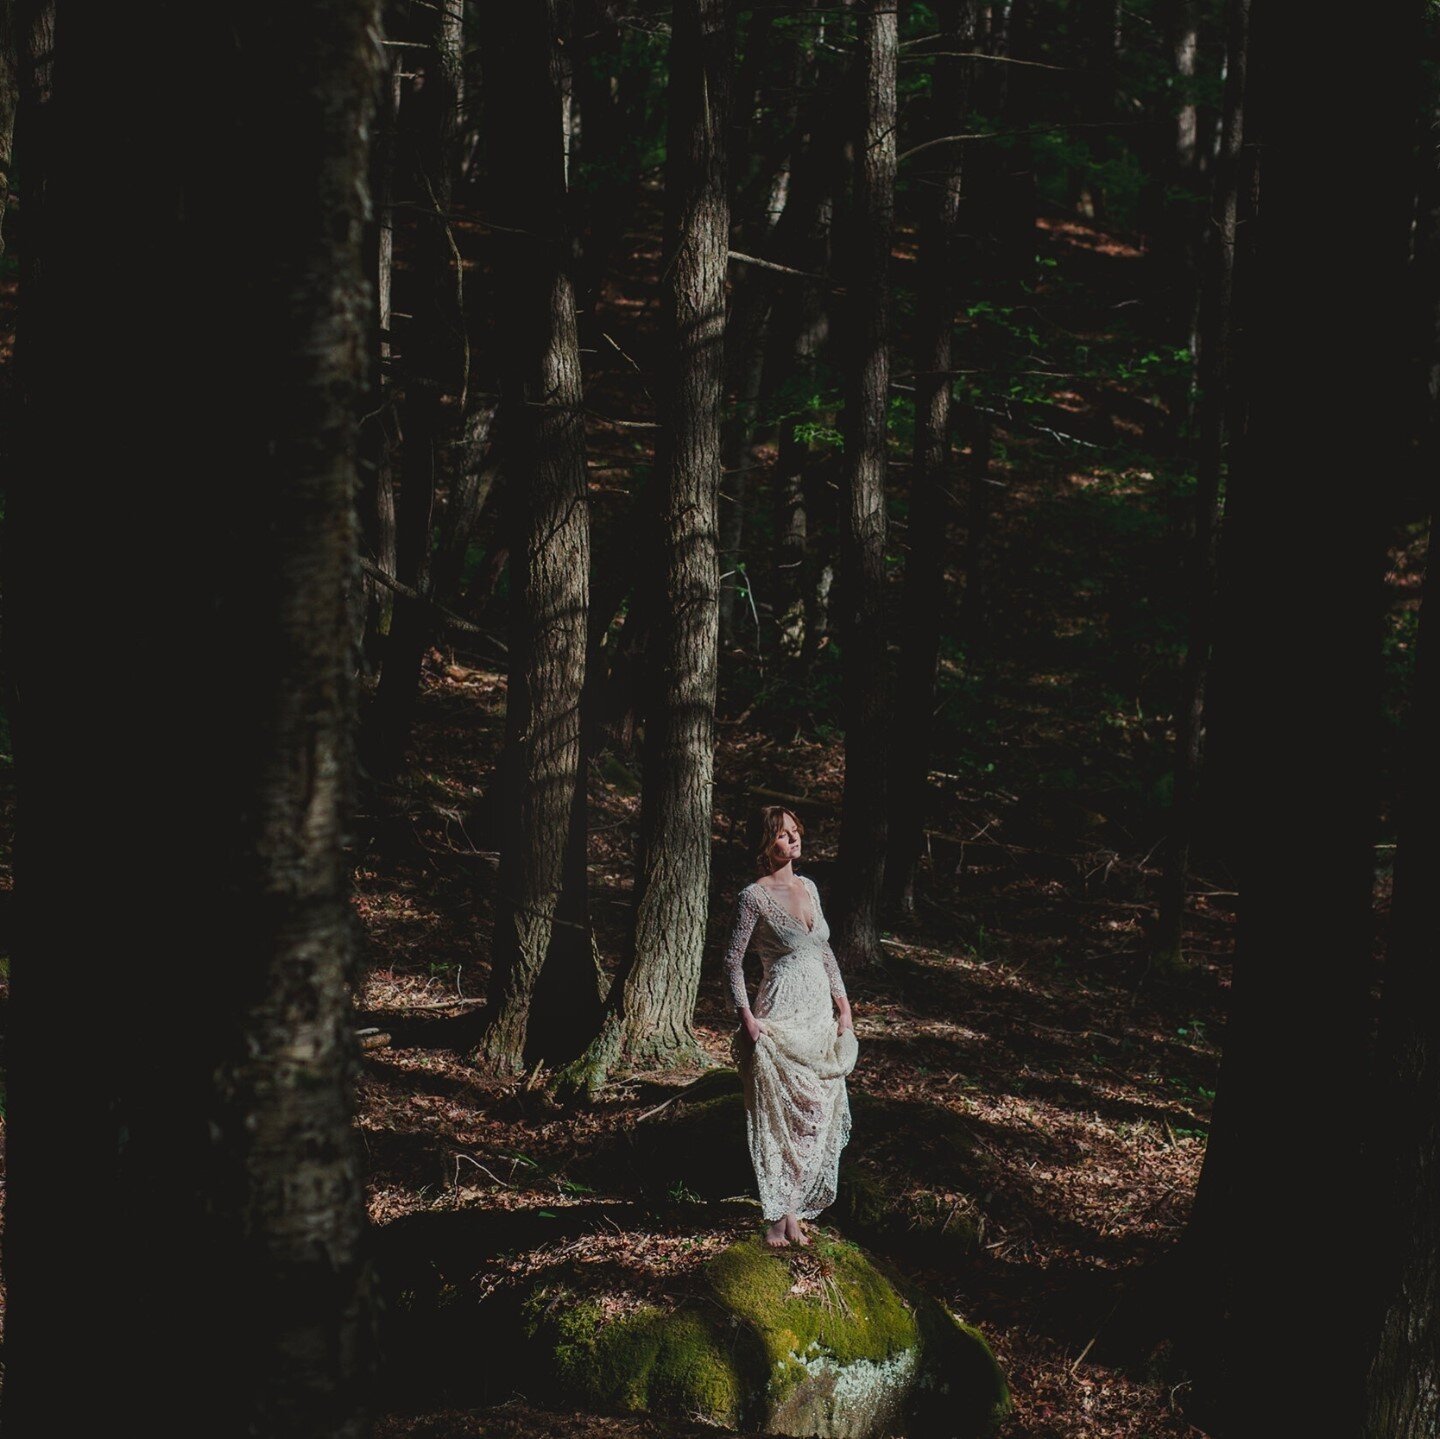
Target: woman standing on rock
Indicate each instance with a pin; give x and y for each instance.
(797, 1045)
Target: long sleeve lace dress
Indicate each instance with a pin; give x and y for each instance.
(797, 1110)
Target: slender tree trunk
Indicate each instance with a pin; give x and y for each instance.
(434, 359)
(1203, 575)
(801, 327)
(746, 330)
(863, 533)
(539, 920)
(929, 505)
(750, 381)
(798, 332)
(377, 509)
(219, 1229)
(9, 102)
(975, 602)
(650, 1014)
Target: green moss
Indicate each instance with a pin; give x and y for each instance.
(824, 1340)
(850, 1312)
(962, 1390)
(651, 1361)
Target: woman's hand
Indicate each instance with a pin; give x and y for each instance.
(751, 1025)
(843, 1022)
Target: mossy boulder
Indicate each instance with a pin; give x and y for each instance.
(648, 1361)
(822, 1341)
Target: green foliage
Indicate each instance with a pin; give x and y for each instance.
(809, 432)
(1162, 363)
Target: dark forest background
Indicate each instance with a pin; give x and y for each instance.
(460, 460)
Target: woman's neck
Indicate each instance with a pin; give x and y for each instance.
(785, 873)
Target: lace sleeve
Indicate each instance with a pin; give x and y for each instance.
(827, 955)
(747, 911)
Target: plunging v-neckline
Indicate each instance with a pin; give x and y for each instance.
(793, 918)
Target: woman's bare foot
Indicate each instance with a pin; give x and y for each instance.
(794, 1230)
(778, 1234)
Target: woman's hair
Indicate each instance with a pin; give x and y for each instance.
(768, 822)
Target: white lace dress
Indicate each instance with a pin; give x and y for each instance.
(797, 1111)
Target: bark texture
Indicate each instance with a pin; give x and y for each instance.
(923, 606)
(540, 915)
(650, 1014)
(9, 102)
(1212, 409)
(211, 1268)
(1402, 1389)
(432, 358)
(1402, 1394)
(1300, 636)
(865, 681)
(673, 881)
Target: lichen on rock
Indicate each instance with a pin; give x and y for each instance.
(820, 1341)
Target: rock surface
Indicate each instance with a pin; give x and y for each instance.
(820, 1341)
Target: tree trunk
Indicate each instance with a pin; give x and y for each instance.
(219, 1230)
(1402, 1394)
(765, 230)
(929, 504)
(650, 1015)
(975, 602)
(540, 922)
(381, 431)
(1203, 576)
(9, 103)
(865, 679)
(433, 359)
(800, 326)
(1301, 628)
(1402, 1390)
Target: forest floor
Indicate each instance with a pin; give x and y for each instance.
(1020, 1009)
(1081, 1082)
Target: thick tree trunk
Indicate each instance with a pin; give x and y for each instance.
(673, 881)
(1203, 573)
(1301, 630)
(1402, 1391)
(865, 678)
(540, 922)
(219, 1229)
(929, 504)
(1402, 1396)
(650, 1015)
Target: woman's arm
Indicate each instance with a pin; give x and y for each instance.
(747, 911)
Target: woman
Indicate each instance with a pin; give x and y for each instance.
(796, 1046)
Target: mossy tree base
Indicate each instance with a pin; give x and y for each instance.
(819, 1342)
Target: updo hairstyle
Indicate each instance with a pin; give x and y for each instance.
(768, 822)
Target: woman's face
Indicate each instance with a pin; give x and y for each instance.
(785, 847)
